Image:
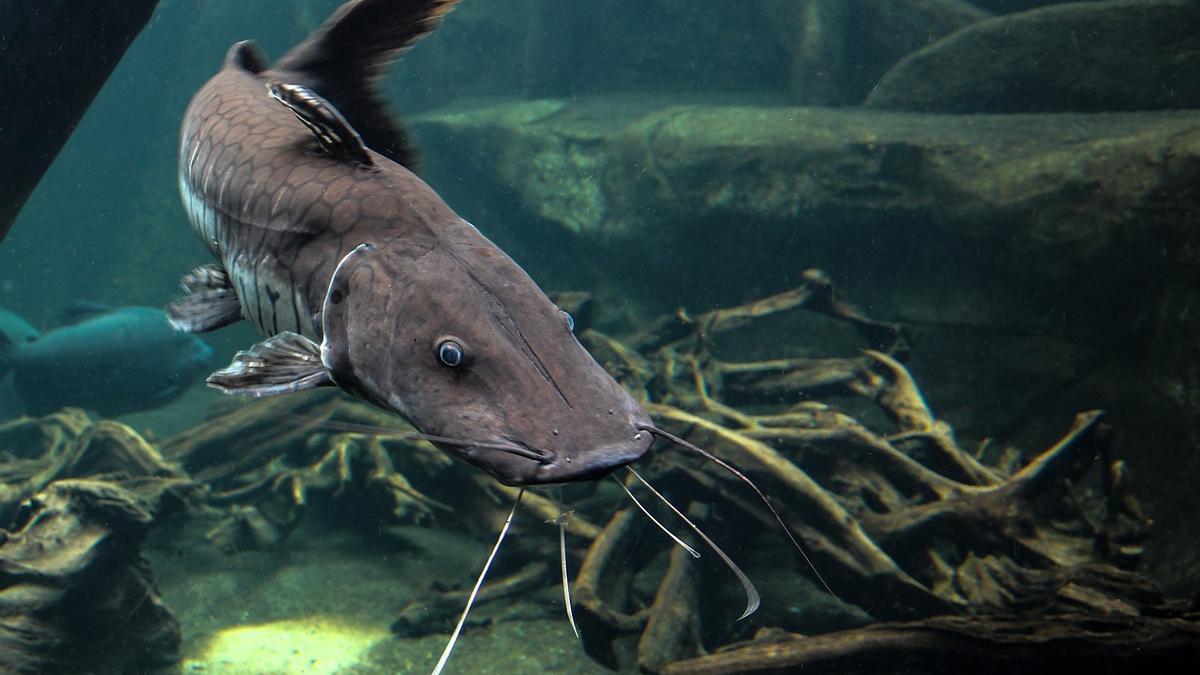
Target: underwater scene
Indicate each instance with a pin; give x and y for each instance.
(659, 336)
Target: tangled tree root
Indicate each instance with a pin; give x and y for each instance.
(964, 549)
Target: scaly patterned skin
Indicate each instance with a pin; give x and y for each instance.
(280, 214)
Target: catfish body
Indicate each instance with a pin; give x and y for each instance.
(362, 277)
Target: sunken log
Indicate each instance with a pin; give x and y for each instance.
(983, 645)
(70, 444)
(435, 609)
(602, 590)
(56, 54)
(673, 631)
(75, 594)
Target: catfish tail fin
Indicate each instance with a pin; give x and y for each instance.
(344, 58)
(8, 349)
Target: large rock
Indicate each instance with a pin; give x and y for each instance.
(1044, 201)
(1081, 57)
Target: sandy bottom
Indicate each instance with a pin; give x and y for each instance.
(315, 644)
(325, 604)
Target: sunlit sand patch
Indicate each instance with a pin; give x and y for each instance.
(314, 645)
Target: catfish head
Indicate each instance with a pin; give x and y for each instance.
(459, 340)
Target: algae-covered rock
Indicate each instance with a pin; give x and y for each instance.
(1052, 197)
(1081, 57)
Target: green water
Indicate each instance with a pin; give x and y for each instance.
(1013, 184)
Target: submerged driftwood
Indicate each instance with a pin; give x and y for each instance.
(904, 522)
(70, 444)
(901, 521)
(76, 597)
(988, 645)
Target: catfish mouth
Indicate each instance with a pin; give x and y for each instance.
(597, 462)
(519, 464)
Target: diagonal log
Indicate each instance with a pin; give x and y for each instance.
(975, 644)
(816, 293)
(208, 454)
(601, 590)
(783, 380)
(897, 393)
(673, 621)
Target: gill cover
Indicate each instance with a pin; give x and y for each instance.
(350, 285)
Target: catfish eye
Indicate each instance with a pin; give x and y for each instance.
(450, 353)
(568, 319)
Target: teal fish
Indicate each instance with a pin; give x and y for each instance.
(110, 361)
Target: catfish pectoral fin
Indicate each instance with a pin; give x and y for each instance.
(280, 364)
(204, 311)
(211, 302)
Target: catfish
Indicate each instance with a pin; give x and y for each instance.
(359, 276)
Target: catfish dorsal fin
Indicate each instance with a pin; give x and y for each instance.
(247, 56)
(7, 348)
(79, 311)
(332, 131)
(345, 56)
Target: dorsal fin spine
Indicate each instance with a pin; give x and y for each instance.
(333, 133)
